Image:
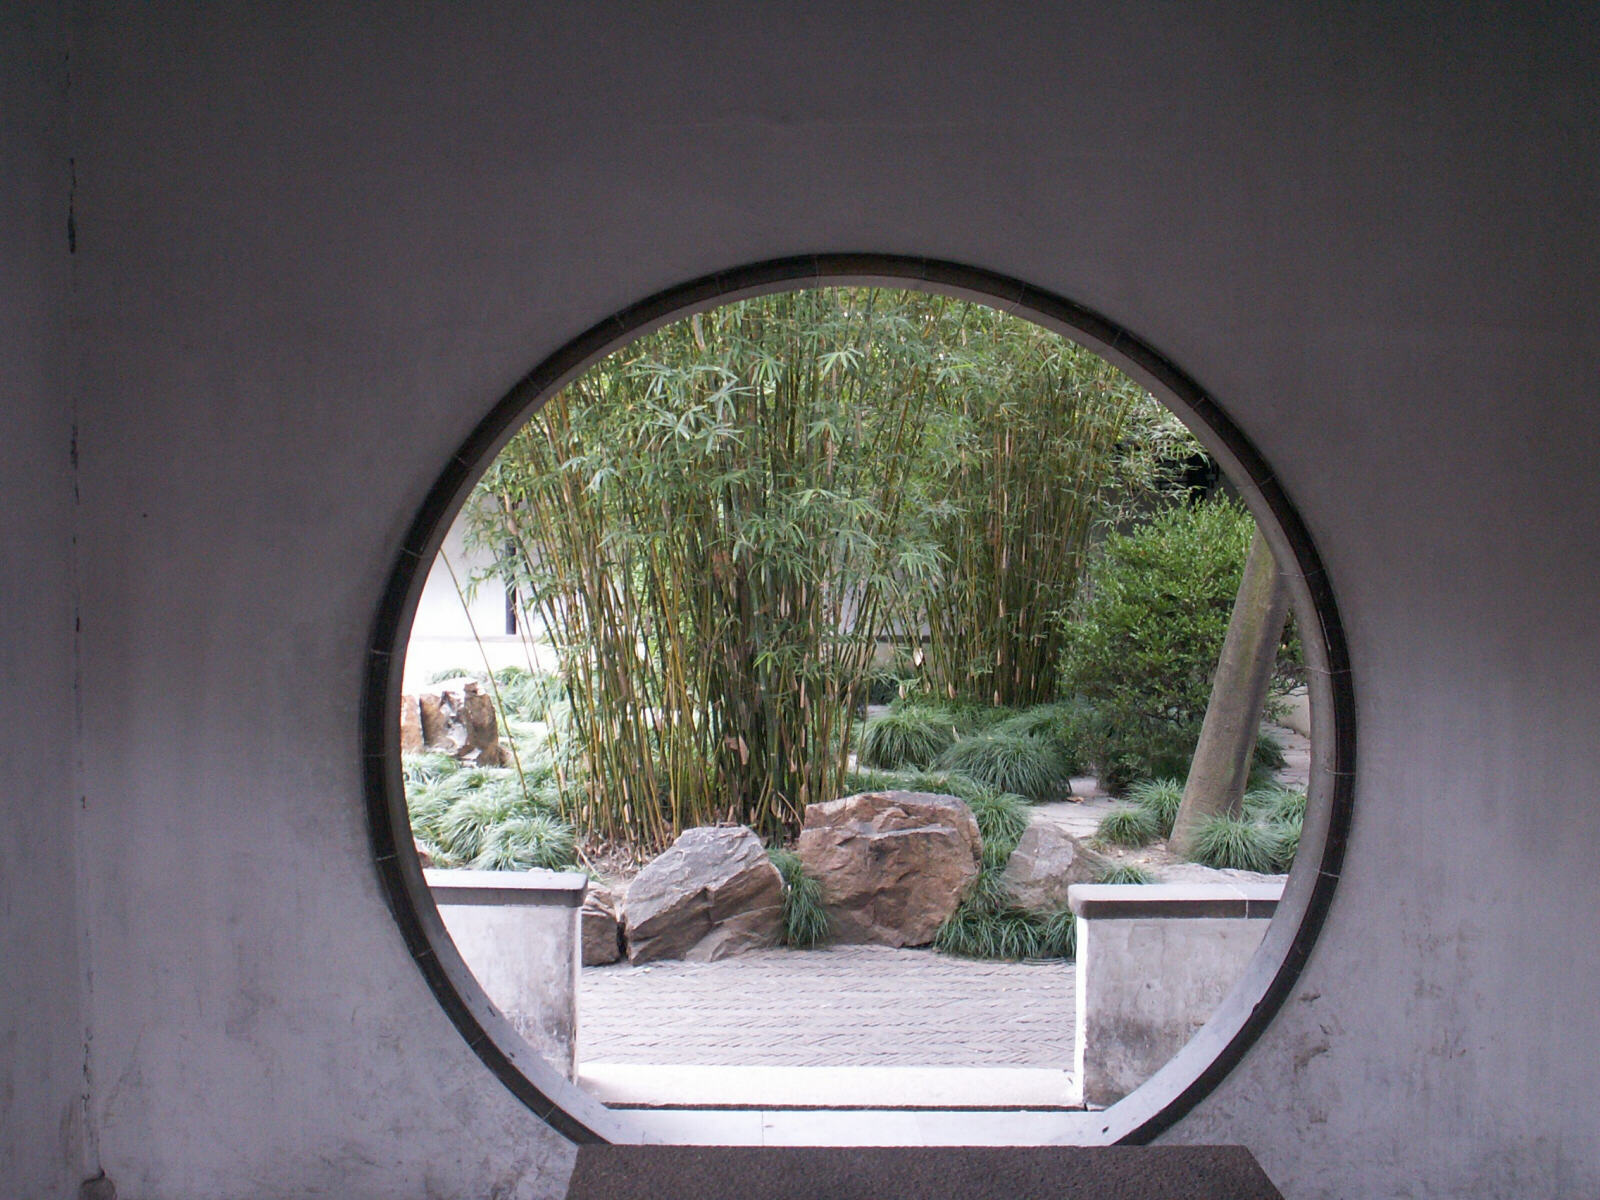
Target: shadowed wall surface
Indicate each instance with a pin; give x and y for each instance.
(315, 244)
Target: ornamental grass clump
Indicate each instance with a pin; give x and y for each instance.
(1009, 762)
(988, 925)
(1161, 798)
(904, 737)
(490, 818)
(1125, 873)
(1064, 724)
(522, 841)
(1129, 825)
(1275, 805)
(1238, 845)
(805, 920)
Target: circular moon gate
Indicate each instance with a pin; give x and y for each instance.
(1197, 1068)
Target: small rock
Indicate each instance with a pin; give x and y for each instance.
(459, 720)
(602, 928)
(1047, 861)
(424, 855)
(892, 866)
(713, 893)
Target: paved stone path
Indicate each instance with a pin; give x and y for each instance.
(867, 1006)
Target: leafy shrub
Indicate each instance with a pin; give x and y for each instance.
(1125, 873)
(1147, 636)
(904, 737)
(1161, 798)
(1239, 845)
(1009, 762)
(1130, 825)
(805, 920)
(1065, 724)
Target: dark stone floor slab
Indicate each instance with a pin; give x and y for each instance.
(943, 1173)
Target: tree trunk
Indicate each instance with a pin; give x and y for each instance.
(1221, 766)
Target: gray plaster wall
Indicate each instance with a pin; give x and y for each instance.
(42, 1030)
(316, 243)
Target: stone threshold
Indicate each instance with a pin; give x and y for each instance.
(915, 1089)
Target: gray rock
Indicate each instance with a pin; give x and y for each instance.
(1047, 861)
(713, 893)
(892, 866)
(459, 720)
(602, 928)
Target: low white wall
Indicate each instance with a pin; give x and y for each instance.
(1153, 963)
(519, 933)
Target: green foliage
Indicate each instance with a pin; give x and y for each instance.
(965, 717)
(1033, 427)
(1148, 633)
(805, 920)
(1065, 724)
(1010, 762)
(491, 818)
(1125, 873)
(1129, 825)
(714, 524)
(1268, 753)
(524, 695)
(1275, 805)
(1161, 798)
(1286, 841)
(904, 737)
(987, 925)
(523, 840)
(1237, 844)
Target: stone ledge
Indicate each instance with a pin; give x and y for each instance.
(1149, 901)
(537, 886)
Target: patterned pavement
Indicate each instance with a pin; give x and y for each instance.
(867, 1006)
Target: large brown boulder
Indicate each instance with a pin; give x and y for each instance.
(712, 893)
(459, 719)
(1047, 861)
(892, 866)
(602, 928)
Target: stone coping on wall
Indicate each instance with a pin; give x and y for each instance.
(537, 886)
(1147, 901)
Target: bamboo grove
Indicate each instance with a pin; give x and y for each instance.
(718, 524)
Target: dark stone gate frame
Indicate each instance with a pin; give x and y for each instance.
(1271, 977)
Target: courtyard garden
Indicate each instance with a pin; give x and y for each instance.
(836, 601)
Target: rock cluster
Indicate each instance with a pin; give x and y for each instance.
(458, 719)
(892, 867)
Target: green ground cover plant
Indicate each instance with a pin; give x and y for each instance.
(907, 736)
(1125, 873)
(1161, 799)
(1010, 762)
(988, 925)
(1129, 825)
(805, 920)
